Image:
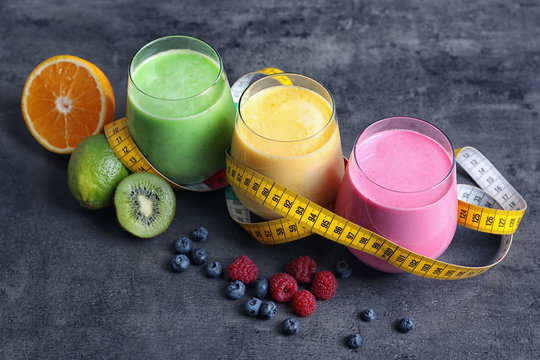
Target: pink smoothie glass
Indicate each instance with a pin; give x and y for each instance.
(400, 182)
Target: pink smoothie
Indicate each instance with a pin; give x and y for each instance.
(401, 184)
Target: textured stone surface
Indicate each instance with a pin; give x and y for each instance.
(74, 285)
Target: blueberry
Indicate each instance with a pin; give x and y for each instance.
(405, 325)
(199, 234)
(343, 269)
(290, 326)
(198, 256)
(214, 269)
(261, 287)
(268, 310)
(235, 289)
(354, 341)
(179, 263)
(367, 315)
(252, 306)
(183, 245)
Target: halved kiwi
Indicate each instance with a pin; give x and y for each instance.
(145, 204)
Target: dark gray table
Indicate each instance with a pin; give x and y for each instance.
(74, 285)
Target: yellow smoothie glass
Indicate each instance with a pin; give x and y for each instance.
(286, 129)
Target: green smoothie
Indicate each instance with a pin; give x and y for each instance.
(180, 113)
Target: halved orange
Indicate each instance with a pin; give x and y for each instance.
(64, 100)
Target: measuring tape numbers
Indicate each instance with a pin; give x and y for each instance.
(126, 150)
(496, 208)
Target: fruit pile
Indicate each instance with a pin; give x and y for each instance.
(65, 103)
(243, 276)
(282, 286)
(242, 273)
(145, 203)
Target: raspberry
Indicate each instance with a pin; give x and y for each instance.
(283, 287)
(302, 268)
(324, 285)
(303, 303)
(243, 269)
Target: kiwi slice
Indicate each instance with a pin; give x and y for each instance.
(145, 204)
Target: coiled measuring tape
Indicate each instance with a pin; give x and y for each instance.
(495, 208)
(126, 150)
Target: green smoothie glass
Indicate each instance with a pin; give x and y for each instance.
(180, 111)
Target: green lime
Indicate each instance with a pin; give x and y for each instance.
(93, 172)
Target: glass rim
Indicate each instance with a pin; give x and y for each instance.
(327, 124)
(444, 179)
(214, 83)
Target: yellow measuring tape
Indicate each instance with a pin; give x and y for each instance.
(495, 208)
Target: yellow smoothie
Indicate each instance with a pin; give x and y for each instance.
(290, 134)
